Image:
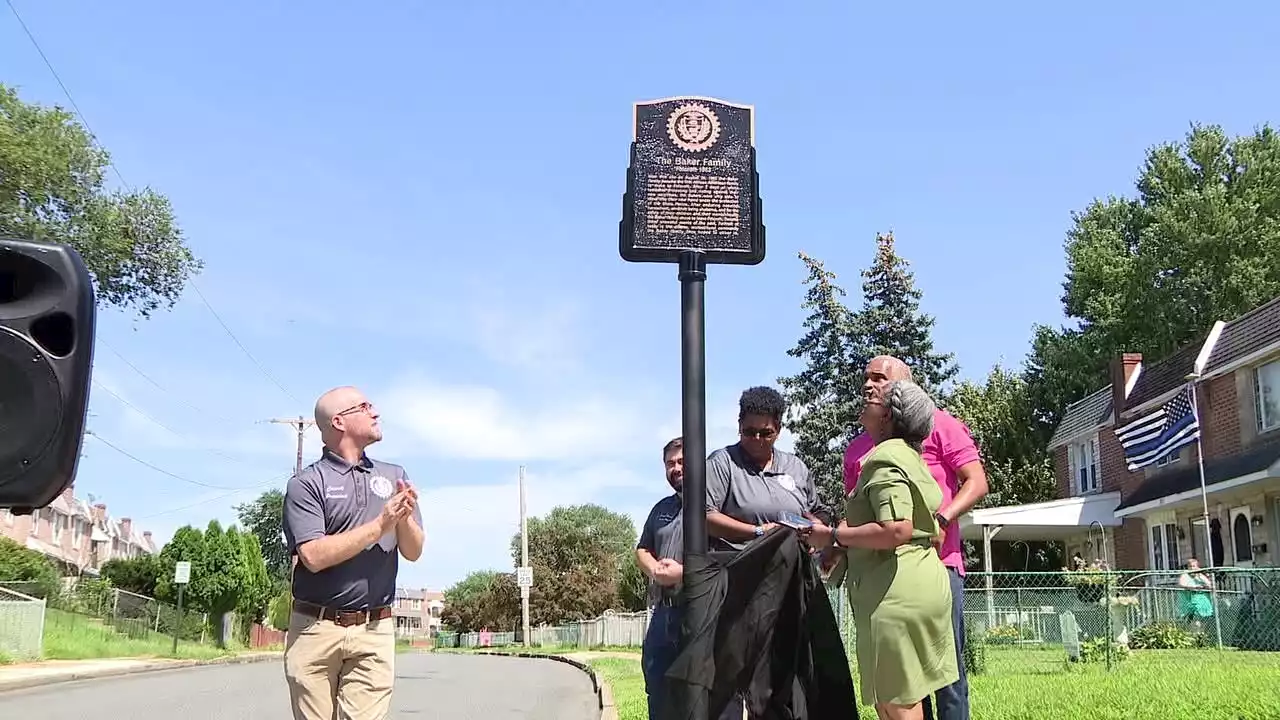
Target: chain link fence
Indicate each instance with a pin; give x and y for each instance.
(609, 630)
(87, 618)
(1017, 623)
(21, 626)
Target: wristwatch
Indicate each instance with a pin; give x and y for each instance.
(759, 530)
(942, 521)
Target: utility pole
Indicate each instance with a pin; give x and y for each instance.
(301, 425)
(526, 579)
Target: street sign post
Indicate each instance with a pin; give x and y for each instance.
(693, 199)
(181, 577)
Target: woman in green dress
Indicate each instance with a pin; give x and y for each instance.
(898, 587)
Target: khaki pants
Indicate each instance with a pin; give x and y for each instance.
(340, 673)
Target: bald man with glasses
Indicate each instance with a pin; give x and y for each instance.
(348, 519)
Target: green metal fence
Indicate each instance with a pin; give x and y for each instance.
(1047, 622)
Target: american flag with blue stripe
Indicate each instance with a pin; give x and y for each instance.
(1152, 436)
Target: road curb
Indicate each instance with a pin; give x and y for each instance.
(604, 696)
(148, 667)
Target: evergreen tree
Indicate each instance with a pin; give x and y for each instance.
(823, 398)
(894, 325)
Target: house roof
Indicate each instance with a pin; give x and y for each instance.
(1216, 470)
(1164, 375)
(1082, 416)
(1238, 339)
(1246, 335)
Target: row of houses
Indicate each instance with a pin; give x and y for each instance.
(417, 612)
(80, 537)
(1152, 518)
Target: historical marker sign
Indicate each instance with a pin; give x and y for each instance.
(182, 573)
(692, 184)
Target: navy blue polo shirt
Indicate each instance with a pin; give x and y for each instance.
(330, 497)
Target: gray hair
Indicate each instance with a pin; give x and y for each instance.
(910, 412)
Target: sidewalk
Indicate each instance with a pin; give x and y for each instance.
(27, 675)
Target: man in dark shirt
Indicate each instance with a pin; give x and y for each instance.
(347, 519)
(659, 553)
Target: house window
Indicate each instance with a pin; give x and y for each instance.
(1083, 459)
(1170, 459)
(1164, 547)
(35, 522)
(1267, 378)
(58, 522)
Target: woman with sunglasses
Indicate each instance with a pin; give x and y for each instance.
(752, 486)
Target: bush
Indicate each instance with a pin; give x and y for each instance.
(975, 653)
(1164, 635)
(40, 577)
(280, 609)
(1094, 650)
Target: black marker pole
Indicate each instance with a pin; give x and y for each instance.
(693, 381)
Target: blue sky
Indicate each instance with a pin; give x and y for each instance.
(424, 201)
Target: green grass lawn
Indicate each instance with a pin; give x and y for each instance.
(68, 636)
(1018, 684)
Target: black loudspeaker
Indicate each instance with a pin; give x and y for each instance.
(46, 356)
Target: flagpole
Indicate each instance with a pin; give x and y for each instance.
(1192, 379)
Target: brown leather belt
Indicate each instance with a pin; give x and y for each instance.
(342, 618)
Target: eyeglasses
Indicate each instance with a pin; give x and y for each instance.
(364, 407)
(759, 433)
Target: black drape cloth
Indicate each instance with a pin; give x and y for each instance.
(759, 622)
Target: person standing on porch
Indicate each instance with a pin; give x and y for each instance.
(954, 461)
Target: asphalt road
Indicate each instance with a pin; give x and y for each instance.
(428, 687)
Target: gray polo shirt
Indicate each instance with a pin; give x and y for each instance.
(749, 494)
(663, 536)
(330, 497)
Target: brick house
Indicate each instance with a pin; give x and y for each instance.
(1152, 518)
(417, 612)
(78, 536)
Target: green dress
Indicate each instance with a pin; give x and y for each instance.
(901, 598)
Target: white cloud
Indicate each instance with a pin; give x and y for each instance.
(479, 422)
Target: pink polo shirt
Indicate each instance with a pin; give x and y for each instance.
(947, 449)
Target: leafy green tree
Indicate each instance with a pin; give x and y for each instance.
(52, 189)
(823, 398)
(187, 545)
(894, 324)
(136, 575)
(998, 412)
(264, 517)
(483, 599)
(578, 554)
(40, 577)
(255, 595)
(1200, 242)
(633, 586)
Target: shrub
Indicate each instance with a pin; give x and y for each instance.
(1164, 635)
(975, 653)
(37, 574)
(1094, 650)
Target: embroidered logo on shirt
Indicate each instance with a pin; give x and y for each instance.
(787, 482)
(381, 486)
(335, 492)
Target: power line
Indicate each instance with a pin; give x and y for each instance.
(213, 499)
(103, 343)
(116, 170)
(160, 470)
(161, 425)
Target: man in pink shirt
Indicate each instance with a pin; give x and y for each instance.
(953, 458)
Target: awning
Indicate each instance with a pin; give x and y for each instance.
(1051, 520)
(1173, 486)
